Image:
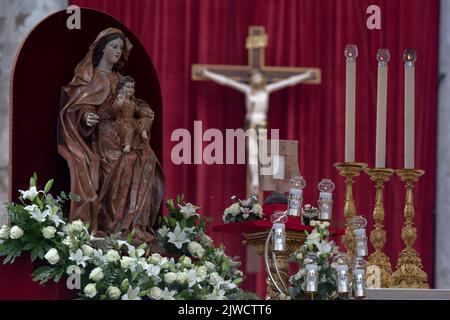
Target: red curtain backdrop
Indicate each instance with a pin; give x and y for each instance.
(302, 33)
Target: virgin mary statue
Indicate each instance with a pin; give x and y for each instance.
(119, 192)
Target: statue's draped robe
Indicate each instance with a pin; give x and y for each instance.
(119, 191)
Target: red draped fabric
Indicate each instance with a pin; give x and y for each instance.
(301, 33)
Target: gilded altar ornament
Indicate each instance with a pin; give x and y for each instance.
(378, 235)
(103, 133)
(409, 272)
(349, 170)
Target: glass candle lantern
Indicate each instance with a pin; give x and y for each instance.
(297, 184)
(326, 187)
(359, 283)
(279, 219)
(359, 224)
(341, 262)
(311, 273)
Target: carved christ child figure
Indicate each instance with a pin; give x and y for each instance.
(133, 120)
(257, 106)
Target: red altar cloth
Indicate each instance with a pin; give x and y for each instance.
(16, 283)
(293, 223)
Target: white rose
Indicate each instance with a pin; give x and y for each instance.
(215, 279)
(4, 232)
(96, 274)
(210, 265)
(52, 256)
(299, 256)
(112, 256)
(202, 273)
(170, 277)
(186, 261)
(126, 263)
(257, 208)
(155, 258)
(234, 209)
(49, 232)
(90, 290)
(77, 225)
(325, 224)
(87, 250)
(181, 278)
(156, 293)
(114, 292)
(16, 232)
(206, 240)
(196, 249)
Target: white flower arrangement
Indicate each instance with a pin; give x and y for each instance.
(119, 270)
(316, 242)
(240, 210)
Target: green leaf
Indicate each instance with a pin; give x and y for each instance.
(170, 204)
(29, 246)
(45, 273)
(48, 185)
(33, 180)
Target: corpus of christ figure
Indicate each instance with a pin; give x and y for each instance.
(256, 81)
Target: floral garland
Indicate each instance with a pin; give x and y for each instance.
(317, 243)
(110, 268)
(248, 209)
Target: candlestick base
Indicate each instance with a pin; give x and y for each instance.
(349, 170)
(409, 273)
(378, 235)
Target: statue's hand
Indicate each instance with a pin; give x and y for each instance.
(91, 119)
(120, 99)
(201, 71)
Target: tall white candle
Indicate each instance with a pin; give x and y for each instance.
(351, 52)
(409, 57)
(383, 57)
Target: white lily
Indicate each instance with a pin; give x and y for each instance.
(56, 219)
(132, 294)
(217, 294)
(163, 231)
(168, 295)
(135, 253)
(191, 277)
(78, 258)
(36, 214)
(216, 280)
(323, 247)
(177, 237)
(188, 210)
(152, 270)
(29, 194)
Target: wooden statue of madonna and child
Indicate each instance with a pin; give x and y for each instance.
(104, 134)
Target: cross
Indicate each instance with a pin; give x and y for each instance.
(257, 98)
(256, 43)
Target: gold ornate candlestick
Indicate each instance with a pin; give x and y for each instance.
(378, 235)
(349, 170)
(409, 273)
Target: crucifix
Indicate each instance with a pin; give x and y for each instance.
(256, 81)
